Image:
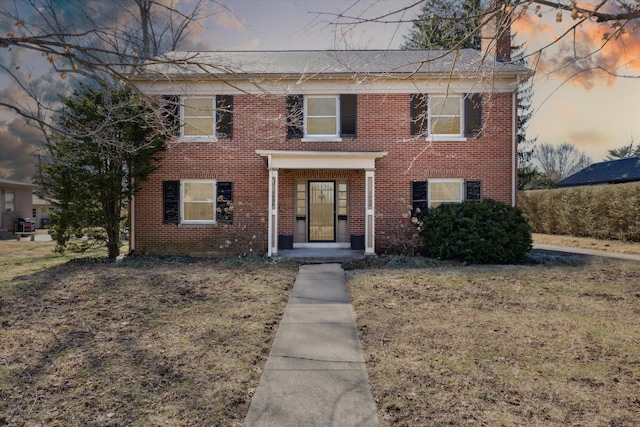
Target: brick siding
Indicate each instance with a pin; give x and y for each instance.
(259, 124)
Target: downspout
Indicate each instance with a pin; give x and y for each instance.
(514, 143)
(132, 224)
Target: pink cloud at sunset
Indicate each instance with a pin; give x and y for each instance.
(588, 54)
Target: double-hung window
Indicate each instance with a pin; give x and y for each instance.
(446, 116)
(438, 191)
(321, 117)
(200, 118)
(197, 201)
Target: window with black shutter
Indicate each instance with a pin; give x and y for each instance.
(224, 116)
(171, 114)
(473, 190)
(419, 197)
(224, 202)
(419, 114)
(348, 115)
(473, 114)
(295, 119)
(171, 202)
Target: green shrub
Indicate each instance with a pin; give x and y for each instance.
(486, 232)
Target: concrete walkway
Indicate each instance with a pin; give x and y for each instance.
(315, 374)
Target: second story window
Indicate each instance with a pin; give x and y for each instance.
(321, 117)
(199, 118)
(446, 116)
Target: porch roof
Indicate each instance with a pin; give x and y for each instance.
(284, 159)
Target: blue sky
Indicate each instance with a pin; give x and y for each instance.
(591, 111)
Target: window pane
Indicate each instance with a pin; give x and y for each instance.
(200, 126)
(445, 191)
(321, 106)
(198, 107)
(445, 125)
(194, 211)
(448, 106)
(321, 126)
(8, 201)
(197, 191)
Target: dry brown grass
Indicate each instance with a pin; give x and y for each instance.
(146, 342)
(588, 243)
(502, 345)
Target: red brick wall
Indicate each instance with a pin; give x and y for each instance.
(259, 124)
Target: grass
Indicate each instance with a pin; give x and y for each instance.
(154, 341)
(502, 345)
(182, 341)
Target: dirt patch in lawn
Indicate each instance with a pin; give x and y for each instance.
(587, 243)
(506, 345)
(141, 342)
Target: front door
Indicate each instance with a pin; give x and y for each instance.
(322, 211)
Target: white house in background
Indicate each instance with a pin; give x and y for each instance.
(16, 203)
(40, 212)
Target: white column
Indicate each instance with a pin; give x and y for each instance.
(273, 213)
(369, 218)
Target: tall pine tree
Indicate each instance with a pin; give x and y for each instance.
(446, 24)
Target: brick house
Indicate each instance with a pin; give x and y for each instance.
(300, 149)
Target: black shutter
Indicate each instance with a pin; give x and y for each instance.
(224, 116)
(348, 115)
(224, 199)
(171, 202)
(419, 114)
(473, 190)
(419, 196)
(295, 118)
(171, 114)
(473, 114)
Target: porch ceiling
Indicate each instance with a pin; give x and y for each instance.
(281, 159)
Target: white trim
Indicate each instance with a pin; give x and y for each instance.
(376, 85)
(283, 159)
(444, 180)
(330, 137)
(182, 201)
(183, 121)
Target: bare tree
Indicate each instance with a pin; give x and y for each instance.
(85, 39)
(559, 162)
(597, 37)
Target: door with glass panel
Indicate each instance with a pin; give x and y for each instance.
(322, 211)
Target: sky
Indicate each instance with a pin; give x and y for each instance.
(592, 110)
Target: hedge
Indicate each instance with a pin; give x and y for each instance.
(602, 212)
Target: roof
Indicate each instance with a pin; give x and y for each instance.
(15, 184)
(313, 62)
(610, 172)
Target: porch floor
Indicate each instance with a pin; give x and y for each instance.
(320, 255)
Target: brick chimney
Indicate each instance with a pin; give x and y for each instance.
(496, 32)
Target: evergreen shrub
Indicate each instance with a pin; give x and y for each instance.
(486, 232)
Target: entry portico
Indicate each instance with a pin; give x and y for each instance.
(321, 160)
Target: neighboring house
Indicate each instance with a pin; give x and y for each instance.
(609, 172)
(40, 212)
(16, 203)
(324, 148)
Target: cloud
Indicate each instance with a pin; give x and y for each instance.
(20, 144)
(588, 55)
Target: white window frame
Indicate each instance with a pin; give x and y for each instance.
(213, 195)
(445, 180)
(198, 138)
(430, 117)
(335, 137)
(12, 203)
